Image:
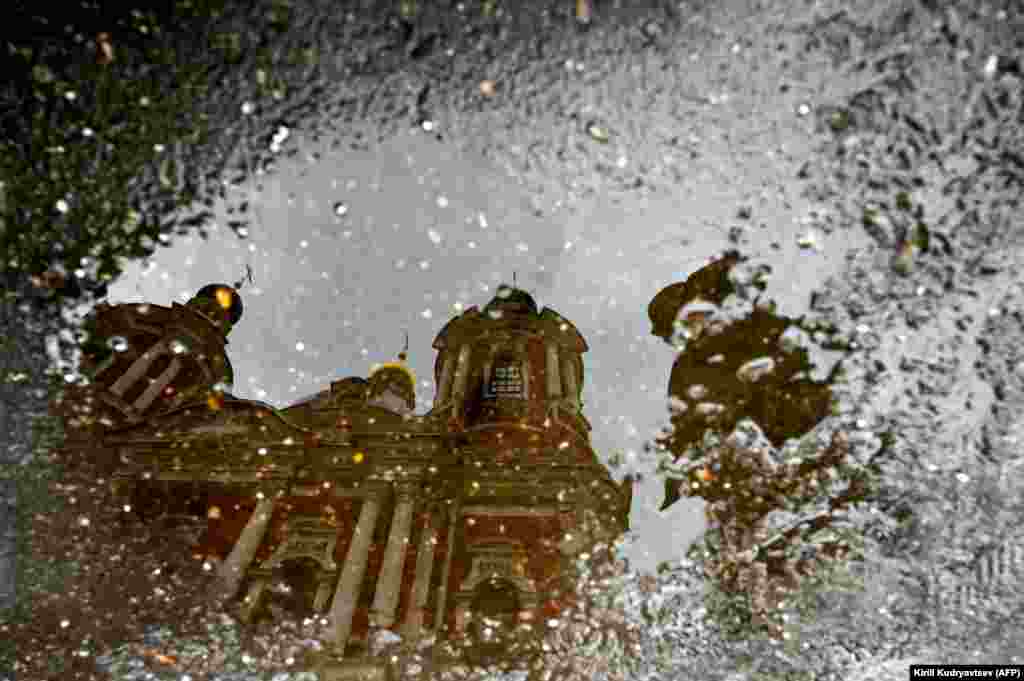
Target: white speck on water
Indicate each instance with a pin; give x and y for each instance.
(990, 66)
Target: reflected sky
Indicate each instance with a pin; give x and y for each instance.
(351, 251)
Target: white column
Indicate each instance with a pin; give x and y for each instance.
(232, 570)
(421, 585)
(461, 377)
(554, 375)
(138, 369)
(323, 592)
(253, 600)
(571, 386)
(389, 582)
(444, 391)
(346, 596)
(524, 368)
(462, 373)
(157, 386)
(439, 615)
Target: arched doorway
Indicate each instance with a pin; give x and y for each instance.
(494, 613)
(293, 589)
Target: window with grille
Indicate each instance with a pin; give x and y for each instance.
(506, 380)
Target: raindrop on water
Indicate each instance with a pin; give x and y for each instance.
(696, 392)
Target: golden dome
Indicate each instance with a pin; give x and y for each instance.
(394, 369)
(395, 376)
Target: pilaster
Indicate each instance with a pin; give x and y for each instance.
(346, 596)
(232, 570)
(421, 586)
(389, 583)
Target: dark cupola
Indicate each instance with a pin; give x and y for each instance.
(508, 299)
(219, 303)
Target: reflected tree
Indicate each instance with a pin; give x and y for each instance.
(740, 389)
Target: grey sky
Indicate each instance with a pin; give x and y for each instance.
(427, 228)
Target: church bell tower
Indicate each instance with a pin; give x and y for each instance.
(532, 494)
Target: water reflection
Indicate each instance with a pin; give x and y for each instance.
(738, 359)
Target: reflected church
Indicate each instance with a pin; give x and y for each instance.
(458, 523)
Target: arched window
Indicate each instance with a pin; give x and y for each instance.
(506, 379)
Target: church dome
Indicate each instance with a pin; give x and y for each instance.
(394, 378)
(510, 299)
(218, 301)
